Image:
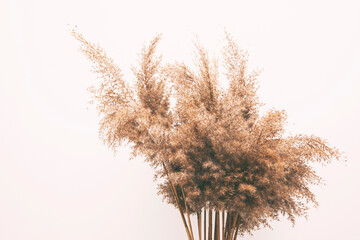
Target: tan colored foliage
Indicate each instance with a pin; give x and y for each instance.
(212, 149)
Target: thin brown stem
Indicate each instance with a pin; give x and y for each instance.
(228, 219)
(235, 220)
(199, 223)
(217, 226)
(223, 224)
(210, 225)
(177, 202)
(237, 228)
(187, 212)
(204, 223)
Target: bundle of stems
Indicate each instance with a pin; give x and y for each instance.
(210, 226)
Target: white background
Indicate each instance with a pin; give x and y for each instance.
(58, 181)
